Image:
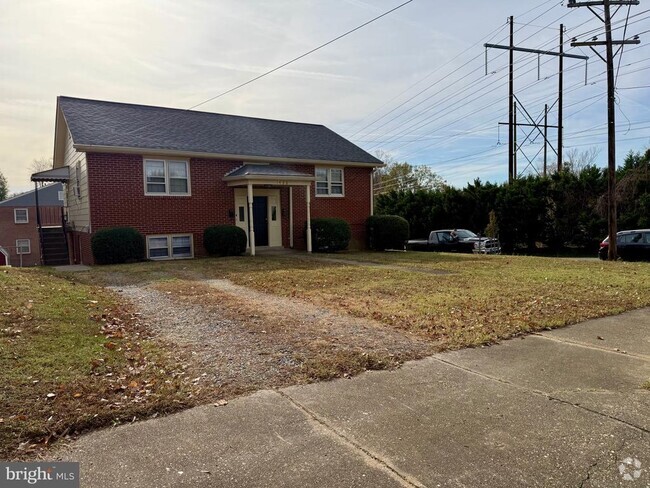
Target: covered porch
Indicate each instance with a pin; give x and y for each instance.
(258, 203)
(53, 239)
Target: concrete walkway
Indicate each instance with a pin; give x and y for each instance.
(560, 409)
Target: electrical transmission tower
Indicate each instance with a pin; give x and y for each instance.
(514, 102)
(609, 57)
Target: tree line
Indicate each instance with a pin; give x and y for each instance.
(564, 210)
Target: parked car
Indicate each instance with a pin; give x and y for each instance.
(631, 245)
(457, 240)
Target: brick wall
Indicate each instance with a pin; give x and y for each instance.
(10, 231)
(116, 188)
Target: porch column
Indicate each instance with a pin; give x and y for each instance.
(309, 218)
(291, 217)
(40, 228)
(251, 228)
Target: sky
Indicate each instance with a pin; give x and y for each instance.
(411, 84)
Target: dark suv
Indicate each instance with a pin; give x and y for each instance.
(631, 245)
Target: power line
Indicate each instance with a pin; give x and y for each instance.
(446, 76)
(252, 80)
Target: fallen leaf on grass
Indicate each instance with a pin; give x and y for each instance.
(110, 345)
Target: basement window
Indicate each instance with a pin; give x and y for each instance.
(23, 246)
(170, 247)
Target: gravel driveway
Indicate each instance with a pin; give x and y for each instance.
(241, 340)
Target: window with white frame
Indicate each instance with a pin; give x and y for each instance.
(165, 177)
(170, 247)
(23, 246)
(329, 182)
(21, 216)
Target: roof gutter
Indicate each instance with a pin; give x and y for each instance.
(227, 157)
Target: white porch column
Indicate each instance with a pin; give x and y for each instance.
(308, 218)
(291, 217)
(251, 228)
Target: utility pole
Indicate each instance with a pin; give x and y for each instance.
(609, 44)
(560, 102)
(512, 101)
(514, 140)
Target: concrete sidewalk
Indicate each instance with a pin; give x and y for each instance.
(560, 409)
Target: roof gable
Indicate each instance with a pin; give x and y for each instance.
(121, 125)
(48, 196)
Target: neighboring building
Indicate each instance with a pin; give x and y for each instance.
(171, 173)
(19, 239)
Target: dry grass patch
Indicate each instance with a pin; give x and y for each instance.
(305, 343)
(73, 358)
(481, 300)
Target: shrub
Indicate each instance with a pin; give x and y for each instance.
(330, 235)
(387, 232)
(117, 245)
(225, 240)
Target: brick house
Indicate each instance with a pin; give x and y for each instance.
(171, 173)
(19, 235)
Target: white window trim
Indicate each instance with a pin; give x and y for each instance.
(29, 246)
(170, 247)
(167, 192)
(329, 183)
(16, 216)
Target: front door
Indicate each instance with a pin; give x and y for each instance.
(261, 221)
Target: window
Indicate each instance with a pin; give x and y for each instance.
(242, 214)
(170, 247)
(21, 216)
(61, 197)
(23, 246)
(163, 177)
(329, 182)
(77, 183)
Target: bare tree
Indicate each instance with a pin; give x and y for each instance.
(41, 164)
(575, 160)
(399, 176)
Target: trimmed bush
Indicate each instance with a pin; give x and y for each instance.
(117, 245)
(225, 240)
(330, 235)
(387, 232)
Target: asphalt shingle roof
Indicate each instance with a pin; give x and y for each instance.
(48, 196)
(264, 170)
(100, 123)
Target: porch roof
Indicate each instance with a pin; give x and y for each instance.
(59, 175)
(267, 174)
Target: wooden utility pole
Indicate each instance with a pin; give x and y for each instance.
(511, 104)
(609, 44)
(560, 102)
